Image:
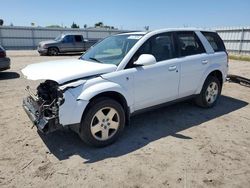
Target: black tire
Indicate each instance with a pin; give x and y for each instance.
(95, 106)
(53, 51)
(201, 99)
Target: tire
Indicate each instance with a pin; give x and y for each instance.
(210, 93)
(103, 122)
(53, 51)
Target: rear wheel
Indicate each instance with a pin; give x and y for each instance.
(103, 122)
(53, 51)
(210, 93)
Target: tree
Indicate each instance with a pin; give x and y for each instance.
(1, 22)
(146, 28)
(85, 26)
(53, 26)
(99, 24)
(74, 25)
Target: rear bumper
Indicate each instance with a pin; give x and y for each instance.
(35, 112)
(4, 63)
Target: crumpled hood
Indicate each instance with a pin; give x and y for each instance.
(47, 42)
(63, 71)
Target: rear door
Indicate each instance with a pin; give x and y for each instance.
(193, 62)
(79, 43)
(219, 56)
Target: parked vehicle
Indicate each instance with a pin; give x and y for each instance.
(65, 43)
(4, 61)
(96, 94)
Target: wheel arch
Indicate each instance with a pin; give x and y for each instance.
(115, 96)
(215, 72)
(49, 47)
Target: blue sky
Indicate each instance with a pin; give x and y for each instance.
(127, 14)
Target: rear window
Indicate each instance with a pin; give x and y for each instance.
(189, 43)
(78, 38)
(215, 41)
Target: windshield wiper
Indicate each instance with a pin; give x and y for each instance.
(92, 58)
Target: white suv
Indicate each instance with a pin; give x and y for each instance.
(96, 94)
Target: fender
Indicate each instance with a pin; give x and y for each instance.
(214, 67)
(102, 87)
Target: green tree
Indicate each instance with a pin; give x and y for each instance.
(99, 24)
(1, 22)
(53, 26)
(74, 25)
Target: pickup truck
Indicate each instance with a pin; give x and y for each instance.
(65, 43)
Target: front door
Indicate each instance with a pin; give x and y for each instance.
(157, 83)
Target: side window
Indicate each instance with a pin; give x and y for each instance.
(78, 38)
(189, 43)
(215, 41)
(68, 39)
(160, 46)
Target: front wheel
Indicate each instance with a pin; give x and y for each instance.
(102, 123)
(53, 51)
(210, 93)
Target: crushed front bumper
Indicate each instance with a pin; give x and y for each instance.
(36, 112)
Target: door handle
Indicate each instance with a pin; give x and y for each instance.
(172, 68)
(204, 62)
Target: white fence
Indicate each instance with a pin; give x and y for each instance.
(29, 37)
(236, 39)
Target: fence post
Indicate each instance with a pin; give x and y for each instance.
(1, 39)
(241, 40)
(33, 39)
(87, 33)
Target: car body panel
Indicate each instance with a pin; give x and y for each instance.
(63, 71)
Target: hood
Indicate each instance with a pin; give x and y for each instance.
(47, 42)
(63, 71)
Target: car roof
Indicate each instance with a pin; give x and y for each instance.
(167, 30)
(64, 34)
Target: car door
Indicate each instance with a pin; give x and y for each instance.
(79, 43)
(157, 83)
(193, 62)
(68, 43)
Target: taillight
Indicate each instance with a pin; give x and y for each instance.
(2, 54)
(227, 57)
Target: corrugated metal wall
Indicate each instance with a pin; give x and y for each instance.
(236, 39)
(29, 37)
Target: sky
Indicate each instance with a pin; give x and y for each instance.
(127, 14)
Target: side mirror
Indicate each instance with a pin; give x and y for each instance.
(145, 59)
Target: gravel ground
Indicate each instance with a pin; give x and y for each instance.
(176, 146)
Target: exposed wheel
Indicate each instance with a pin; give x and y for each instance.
(53, 51)
(210, 93)
(103, 122)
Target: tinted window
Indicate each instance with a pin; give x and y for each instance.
(78, 38)
(215, 41)
(68, 39)
(189, 44)
(160, 46)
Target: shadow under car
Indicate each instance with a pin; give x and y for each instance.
(143, 129)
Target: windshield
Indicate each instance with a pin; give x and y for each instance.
(111, 50)
(58, 38)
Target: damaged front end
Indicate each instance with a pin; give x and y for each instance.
(43, 107)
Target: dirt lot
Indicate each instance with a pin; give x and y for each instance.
(176, 146)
